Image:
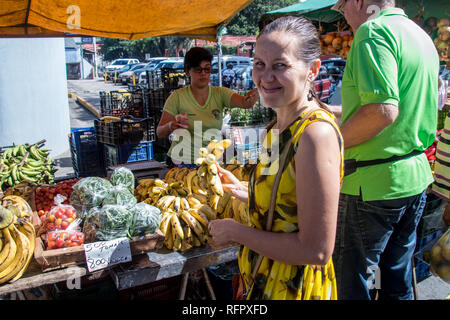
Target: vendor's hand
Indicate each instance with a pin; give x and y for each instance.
(251, 97)
(230, 183)
(220, 231)
(181, 121)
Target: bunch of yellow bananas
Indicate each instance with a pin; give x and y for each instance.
(230, 207)
(319, 283)
(24, 190)
(18, 206)
(207, 172)
(17, 243)
(151, 190)
(184, 222)
(185, 215)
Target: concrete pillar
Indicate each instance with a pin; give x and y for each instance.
(33, 93)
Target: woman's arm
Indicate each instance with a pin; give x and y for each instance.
(244, 102)
(318, 185)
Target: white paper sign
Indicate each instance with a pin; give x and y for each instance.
(102, 254)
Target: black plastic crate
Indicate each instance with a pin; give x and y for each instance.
(125, 131)
(127, 153)
(166, 78)
(155, 100)
(121, 104)
(86, 153)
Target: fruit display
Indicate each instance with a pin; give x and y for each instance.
(64, 239)
(439, 257)
(25, 162)
(190, 198)
(25, 190)
(207, 172)
(59, 217)
(185, 215)
(439, 31)
(45, 195)
(17, 243)
(18, 206)
(336, 43)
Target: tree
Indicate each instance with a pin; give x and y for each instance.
(246, 21)
(156, 46)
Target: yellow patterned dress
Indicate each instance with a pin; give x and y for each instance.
(276, 280)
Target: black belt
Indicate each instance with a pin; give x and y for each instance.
(351, 165)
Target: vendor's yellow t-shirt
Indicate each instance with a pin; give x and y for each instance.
(205, 121)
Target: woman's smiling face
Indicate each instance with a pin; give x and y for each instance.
(280, 76)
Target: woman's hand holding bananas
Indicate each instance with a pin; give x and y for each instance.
(232, 185)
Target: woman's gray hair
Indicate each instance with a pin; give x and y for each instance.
(308, 42)
(303, 30)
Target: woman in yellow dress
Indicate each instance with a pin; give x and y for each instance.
(298, 248)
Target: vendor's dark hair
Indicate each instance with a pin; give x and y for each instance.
(308, 42)
(195, 56)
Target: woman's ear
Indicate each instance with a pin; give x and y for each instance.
(314, 70)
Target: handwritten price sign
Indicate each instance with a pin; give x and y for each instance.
(103, 254)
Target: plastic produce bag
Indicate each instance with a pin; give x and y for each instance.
(123, 177)
(440, 257)
(59, 217)
(70, 237)
(120, 195)
(91, 224)
(113, 222)
(89, 192)
(145, 219)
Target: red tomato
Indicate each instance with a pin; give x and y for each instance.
(51, 244)
(72, 237)
(80, 237)
(50, 226)
(59, 243)
(51, 236)
(58, 214)
(64, 224)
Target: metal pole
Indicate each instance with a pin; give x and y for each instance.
(82, 63)
(219, 58)
(95, 57)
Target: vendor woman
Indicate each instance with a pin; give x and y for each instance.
(200, 103)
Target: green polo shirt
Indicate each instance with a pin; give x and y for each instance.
(205, 122)
(392, 61)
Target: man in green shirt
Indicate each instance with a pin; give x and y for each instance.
(389, 117)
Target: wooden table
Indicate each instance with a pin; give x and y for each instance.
(144, 269)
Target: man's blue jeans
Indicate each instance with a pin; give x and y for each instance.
(375, 242)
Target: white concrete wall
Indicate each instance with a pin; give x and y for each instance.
(33, 93)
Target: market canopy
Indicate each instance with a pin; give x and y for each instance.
(318, 10)
(127, 19)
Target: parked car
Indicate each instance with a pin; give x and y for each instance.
(323, 85)
(236, 61)
(127, 76)
(335, 68)
(118, 64)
